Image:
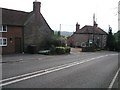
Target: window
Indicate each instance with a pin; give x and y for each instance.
(3, 41)
(3, 28)
(0, 28)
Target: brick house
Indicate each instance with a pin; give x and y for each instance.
(87, 36)
(20, 29)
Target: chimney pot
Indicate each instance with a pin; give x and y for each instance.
(95, 24)
(77, 26)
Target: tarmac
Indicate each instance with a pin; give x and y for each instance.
(11, 58)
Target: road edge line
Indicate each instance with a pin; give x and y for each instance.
(113, 80)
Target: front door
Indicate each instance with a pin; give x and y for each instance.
(18, 45)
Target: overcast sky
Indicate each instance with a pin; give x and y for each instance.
(68, 12)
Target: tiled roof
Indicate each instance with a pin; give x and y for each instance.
(14, 17)
(90, 30)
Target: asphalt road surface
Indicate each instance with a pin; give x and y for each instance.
(76, 70)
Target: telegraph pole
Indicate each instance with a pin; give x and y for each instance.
(93, 31)
(60, 30)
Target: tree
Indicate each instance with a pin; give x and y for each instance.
(110, 40)
(59, 33)
(57, 40)
(117, 41)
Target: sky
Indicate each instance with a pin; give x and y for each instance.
(69, 12)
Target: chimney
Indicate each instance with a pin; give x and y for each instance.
(36, 6)
(77, 26)
(95, 24)
(94, 21)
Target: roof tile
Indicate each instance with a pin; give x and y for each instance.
(13, 17)
(90, 30)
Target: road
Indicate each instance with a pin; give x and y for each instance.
(76, 70)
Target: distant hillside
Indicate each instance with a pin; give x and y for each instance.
(64, 33)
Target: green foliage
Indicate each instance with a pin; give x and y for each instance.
(53, 49)
(110, 40)
(59, 33)
(56, 50)
(113, 41)
(67, 49)
(117, 41)
(57, 40)
(60, 50)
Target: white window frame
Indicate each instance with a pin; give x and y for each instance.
(2, 44)
(1, 27)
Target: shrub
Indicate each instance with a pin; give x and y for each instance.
(62, 50)
(32, 49)
(52, 49)
(88, 49)
(67, 49)
(56, 50)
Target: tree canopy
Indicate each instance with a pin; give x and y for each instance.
(110, 40)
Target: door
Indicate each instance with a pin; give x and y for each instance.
(18, 45)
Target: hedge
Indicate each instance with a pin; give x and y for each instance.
(56, 50)
(60, 50)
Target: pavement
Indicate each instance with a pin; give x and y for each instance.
(19, 57)
(12, 58)
(76, 49)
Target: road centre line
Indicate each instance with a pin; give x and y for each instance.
(46, 71)
(28, 74)
(33, 73)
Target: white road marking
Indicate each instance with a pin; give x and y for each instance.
(20, 76)
(46, 71)
(113, 81)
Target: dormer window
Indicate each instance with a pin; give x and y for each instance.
(3, 28)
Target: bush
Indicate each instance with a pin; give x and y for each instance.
(61, 50)
(88, 49)
(67, 49)
(52, 49)
(32, 49)
(56, 50)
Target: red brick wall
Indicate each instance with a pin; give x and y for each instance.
(12, 33)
